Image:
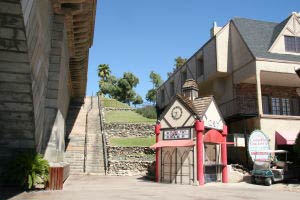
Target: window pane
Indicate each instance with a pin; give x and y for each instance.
(275, 106)
(286, 110)
(265, 101)
(290, 43)
(298, 44)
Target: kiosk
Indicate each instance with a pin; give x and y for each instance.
(191, 140)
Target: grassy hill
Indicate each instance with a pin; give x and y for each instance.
(112, 103)
(122, 116)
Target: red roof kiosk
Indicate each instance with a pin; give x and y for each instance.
(191, 140)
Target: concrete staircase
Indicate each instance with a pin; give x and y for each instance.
(84, 150)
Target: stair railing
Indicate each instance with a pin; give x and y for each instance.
(86, 134)
(103, 136)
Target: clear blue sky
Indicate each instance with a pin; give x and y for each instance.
(143, 35)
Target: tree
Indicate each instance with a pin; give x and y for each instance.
(109, 87)
(124, 91)
(156, 81)
(179, 62)
(138, 100)
(103, 72)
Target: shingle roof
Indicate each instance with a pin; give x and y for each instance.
(198, 106)
(260, 35)
(190, 83)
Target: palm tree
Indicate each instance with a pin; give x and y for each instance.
(104, 71)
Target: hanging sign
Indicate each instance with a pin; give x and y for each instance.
(258, 145)
(177, 134)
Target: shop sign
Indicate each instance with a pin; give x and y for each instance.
(258, 143)
(177, 134)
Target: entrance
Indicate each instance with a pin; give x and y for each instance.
(212, 163)
(177, 165)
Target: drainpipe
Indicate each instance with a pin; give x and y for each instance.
(157, 132)
(224, 156)
(199, 127)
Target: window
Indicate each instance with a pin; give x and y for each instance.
(200, 67)
(286, 110)
(292, 44)
(172, 88)
(162, 96)
(183, 77)
(275, 103)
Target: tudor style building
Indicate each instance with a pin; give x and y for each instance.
(249, 67)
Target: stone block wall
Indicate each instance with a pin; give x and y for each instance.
(17, 125)
(129, 160)
(128, 130)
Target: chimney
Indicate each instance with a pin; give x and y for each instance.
(190, 89)
(214, 30)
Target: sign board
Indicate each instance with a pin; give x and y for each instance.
(258, 142)
(177, 134)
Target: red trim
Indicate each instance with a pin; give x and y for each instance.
(199, 127)
(157, 132)
(173, 143)
(224, 156)
(213, 136)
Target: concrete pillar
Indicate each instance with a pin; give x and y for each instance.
(258, 89)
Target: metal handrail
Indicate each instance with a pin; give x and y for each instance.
(86, 135)
(103, 136)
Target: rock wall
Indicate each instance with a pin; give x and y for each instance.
(129, 160)
(128, 130)
(128, 168)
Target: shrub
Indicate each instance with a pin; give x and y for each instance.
(28, 169)
(147, 111)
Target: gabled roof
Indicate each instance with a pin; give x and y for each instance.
(198, 106)
(260, 35)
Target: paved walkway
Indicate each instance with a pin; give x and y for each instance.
(116, 188)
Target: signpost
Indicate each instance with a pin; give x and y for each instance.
(257, 145)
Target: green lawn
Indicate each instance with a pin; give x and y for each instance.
(112, 103)
(133, 142)
(126, 116)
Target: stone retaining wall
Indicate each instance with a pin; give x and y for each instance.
(131, 168)
(128, 130)
(129, 160)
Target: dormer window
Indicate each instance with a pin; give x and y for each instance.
(292, 44)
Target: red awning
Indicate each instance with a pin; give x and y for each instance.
(173, 143)
(286, 138)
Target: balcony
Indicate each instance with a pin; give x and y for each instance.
(239, 106)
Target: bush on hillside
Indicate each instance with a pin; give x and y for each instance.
(147, 111)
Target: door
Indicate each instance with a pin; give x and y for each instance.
(212, 166)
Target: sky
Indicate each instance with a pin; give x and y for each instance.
(139, 36)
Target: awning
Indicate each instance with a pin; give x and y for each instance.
(173, 143)
(286, 138)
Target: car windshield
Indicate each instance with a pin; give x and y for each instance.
(261, 165)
